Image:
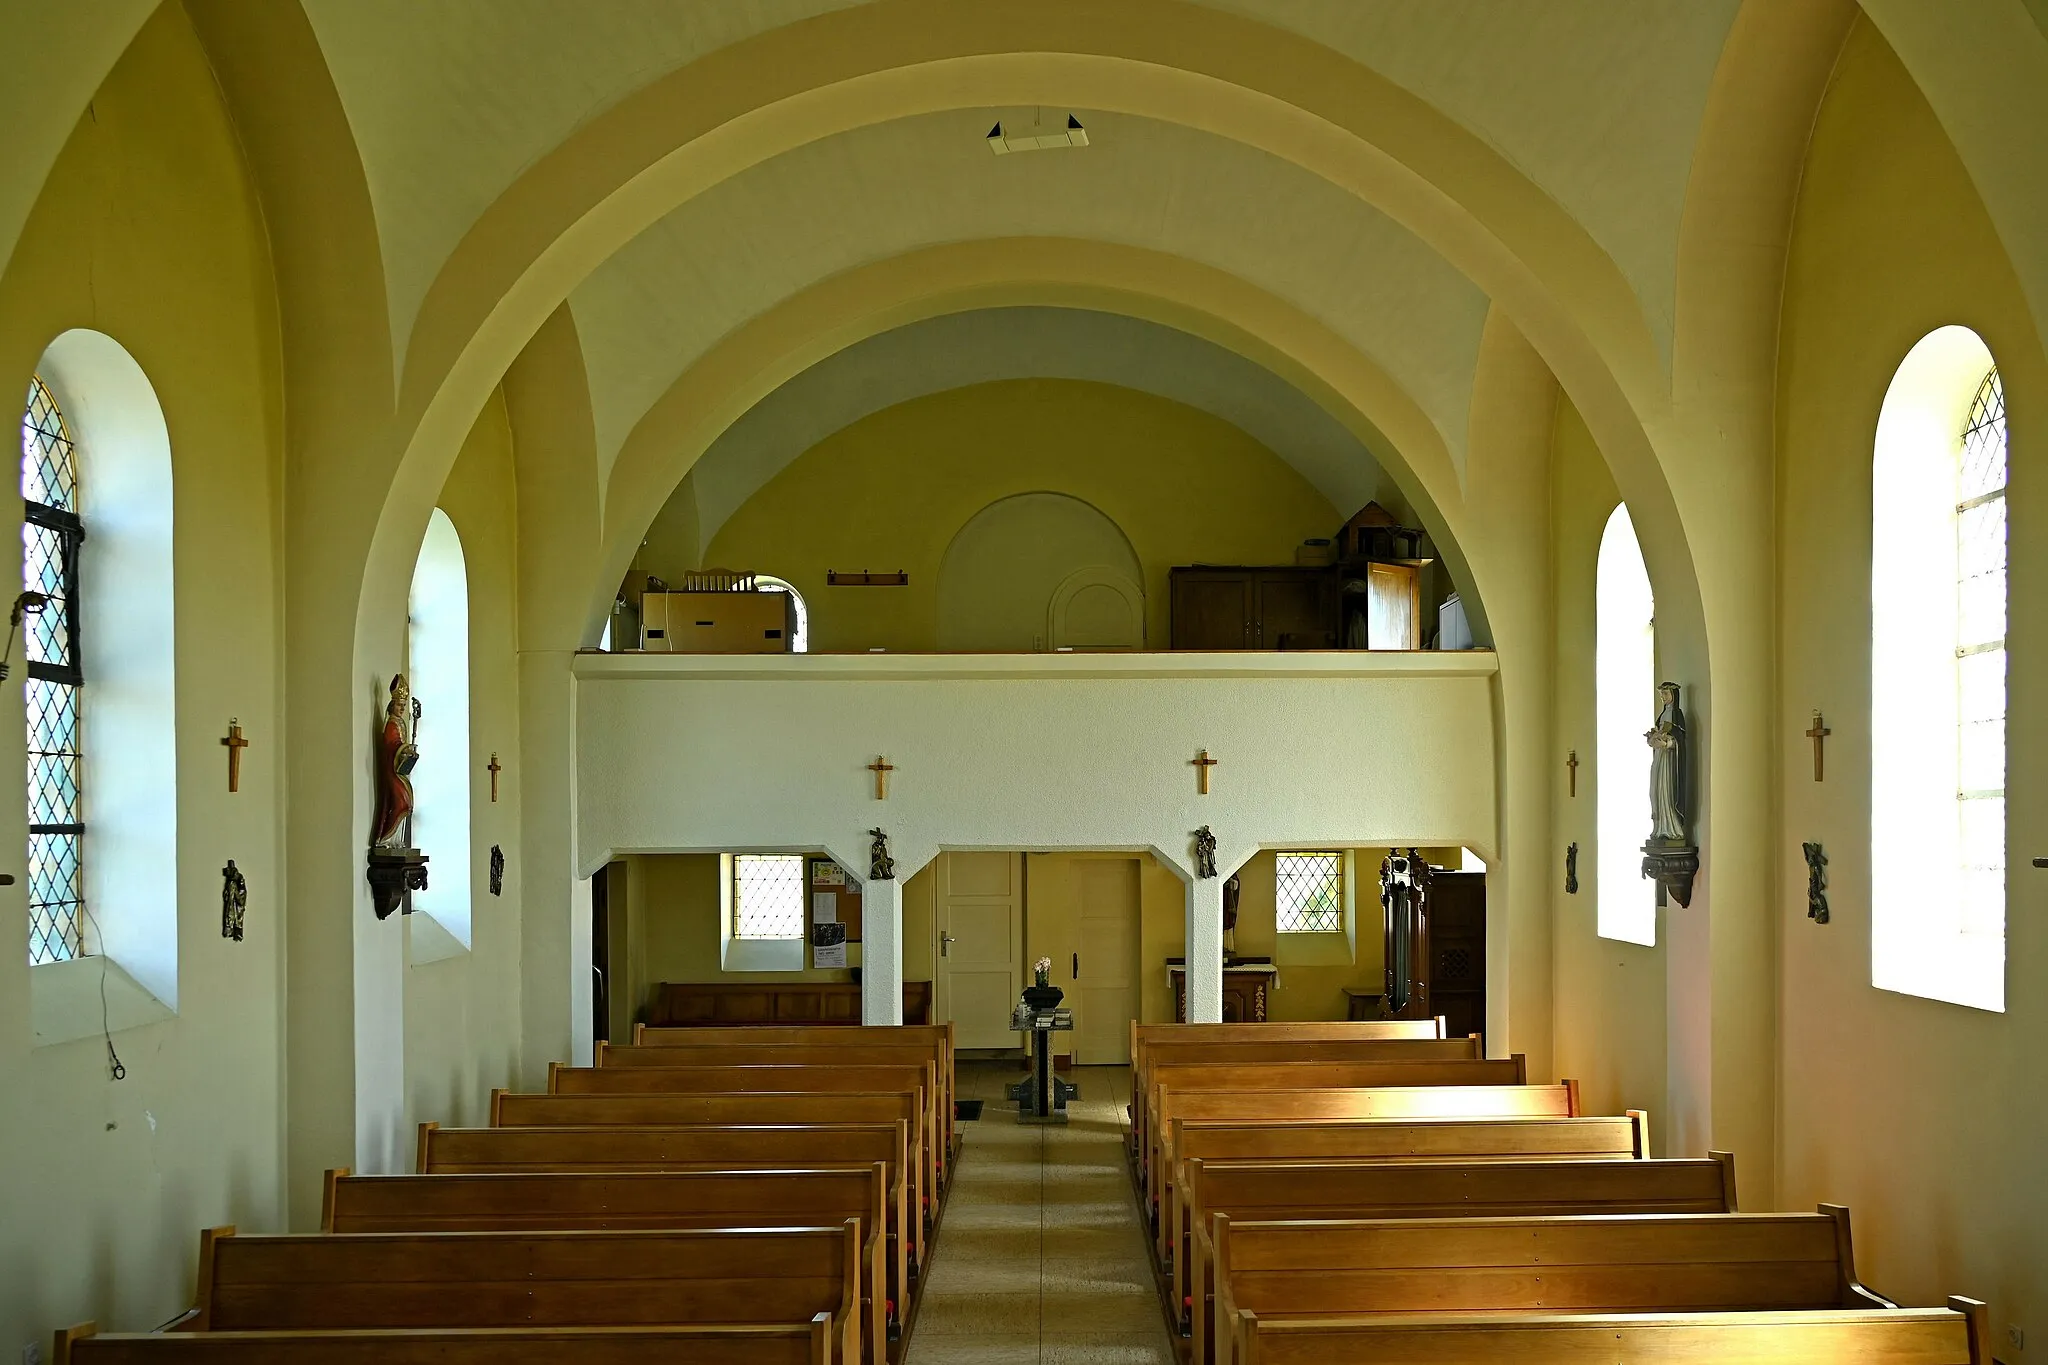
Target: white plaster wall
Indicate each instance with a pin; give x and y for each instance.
(1038, 752)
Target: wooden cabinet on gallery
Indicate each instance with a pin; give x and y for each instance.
(1367, 605)
(1457, 951)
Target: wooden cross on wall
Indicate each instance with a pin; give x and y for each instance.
(1573, 764)
(881, 768)
(495, 768)
(235, 744)
(1818, 734)
(1202, 763)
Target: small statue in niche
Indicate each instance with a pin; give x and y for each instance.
(881, 867)
(497, 870)
(1205, 854)
(1571, 869)
(234, 901)
(1816, 883)
(397, 755)
(1668, 770)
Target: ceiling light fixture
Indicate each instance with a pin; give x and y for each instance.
(1002, 141)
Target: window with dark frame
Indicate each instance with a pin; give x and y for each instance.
(1308, 893)
(53, 694)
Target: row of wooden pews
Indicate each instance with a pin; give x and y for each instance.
(1377, 1192)
(739, 1196)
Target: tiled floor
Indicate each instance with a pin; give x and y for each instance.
(1041, 1260)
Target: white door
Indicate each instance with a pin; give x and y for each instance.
(980, 966)
(1106, 968)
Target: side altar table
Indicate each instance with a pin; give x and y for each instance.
(1246, 984)
(1042, 1096)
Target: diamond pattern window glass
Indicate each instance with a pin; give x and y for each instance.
(53, 695)
(1980, 660)
(768, 895)
(1308, 893)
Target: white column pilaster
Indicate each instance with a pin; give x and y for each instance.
(1205, 950)
(881, 953)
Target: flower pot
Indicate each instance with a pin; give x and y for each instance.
(1043, 998)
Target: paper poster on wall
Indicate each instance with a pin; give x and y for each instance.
(825, 872)
(824, 907)
(828, 945)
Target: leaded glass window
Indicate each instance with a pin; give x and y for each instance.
(768, 895)
(1980, 660)
(53, 694)
(1308, 893)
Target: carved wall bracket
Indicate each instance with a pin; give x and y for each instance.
(392, 873)
(1672, 867)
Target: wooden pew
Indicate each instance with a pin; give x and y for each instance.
(850, 1054)
(1273, 1053)
(613, 1201)
(1676, 1263)
(1269, 1191)
(668, 1111)
(1384, 1102)
(485, 1151)
(1955, 1335)
(1144, 1036)
(938, 1037)
(1172, 1085)
(919, 1079)
(1429, 1139)
(323, 1282)
(795, 1344)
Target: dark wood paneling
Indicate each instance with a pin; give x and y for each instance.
(681, 1004)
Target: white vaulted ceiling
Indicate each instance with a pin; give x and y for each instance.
(734, 251)
(1041, 343)
(1598, 102)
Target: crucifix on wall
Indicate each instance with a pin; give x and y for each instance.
(881, 768)
(235, 744)
(1202, 763)
(494, 767)
(1573, 764)
(1818, 733)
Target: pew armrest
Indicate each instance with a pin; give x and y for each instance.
(60, 1351)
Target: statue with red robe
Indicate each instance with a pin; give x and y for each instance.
(396, 756)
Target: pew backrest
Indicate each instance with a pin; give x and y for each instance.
(614, 1201)
(1145, 1036)
(1606, 1263)
(325, 1282)
(666, 1111)
(1955, 1335)
(1247, 1191)
(800, 1343)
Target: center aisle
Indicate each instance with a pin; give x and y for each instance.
(1041, 1258)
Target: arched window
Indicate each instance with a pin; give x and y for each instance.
(1938, 676)
(1625, 696)
(800, 641)
(54, 692)
(437, 650)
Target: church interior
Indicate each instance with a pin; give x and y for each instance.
(1089, 681)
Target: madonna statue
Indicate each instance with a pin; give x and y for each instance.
(396, 757)
(1668, 770)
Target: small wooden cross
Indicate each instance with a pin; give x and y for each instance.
(495, 768)
(1202, 763)
(881, 768)
(235, 744)
(1573, 764)
(1818, 734)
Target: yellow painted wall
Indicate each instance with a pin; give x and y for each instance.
(1925, 1118)
(891, 491)
(1610, 1013)
(149, 230)
(462, 1009)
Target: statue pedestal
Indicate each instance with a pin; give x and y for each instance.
(392, 873)
(1672, 866)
